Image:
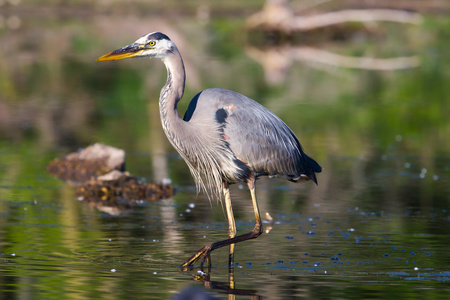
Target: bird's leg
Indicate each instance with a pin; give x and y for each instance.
(231, 223)
(257, 230)
(251, 187)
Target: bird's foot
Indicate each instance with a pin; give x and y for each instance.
(203, 252)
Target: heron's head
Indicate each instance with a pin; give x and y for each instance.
(152, 45)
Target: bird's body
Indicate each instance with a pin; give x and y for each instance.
(250, 137)
(224, 137)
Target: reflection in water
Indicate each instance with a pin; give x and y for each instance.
(278, 20)
(377, 224)
(276, 61)
(228, 288)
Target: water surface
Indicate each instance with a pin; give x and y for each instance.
(377, 225)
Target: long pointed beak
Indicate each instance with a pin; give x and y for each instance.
(131, 50)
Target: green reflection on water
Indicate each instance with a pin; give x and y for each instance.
(382, 138)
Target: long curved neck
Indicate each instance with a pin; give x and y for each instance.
(171, 94)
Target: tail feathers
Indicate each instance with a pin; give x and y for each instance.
(308, 169)
(313, 168)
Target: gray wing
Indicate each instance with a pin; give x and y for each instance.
(258, 138)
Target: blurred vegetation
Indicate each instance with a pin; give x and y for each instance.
(381, 136)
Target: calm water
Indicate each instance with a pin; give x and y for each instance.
(376, 226)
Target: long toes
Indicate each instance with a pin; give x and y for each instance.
(202, 252)
(206, 257)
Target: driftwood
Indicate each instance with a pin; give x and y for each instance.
(277, 19)
(100, 180)
(278, 16)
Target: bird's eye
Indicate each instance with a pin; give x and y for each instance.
(151, 43)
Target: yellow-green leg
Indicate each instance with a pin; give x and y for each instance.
(257, 230)
(231, 222)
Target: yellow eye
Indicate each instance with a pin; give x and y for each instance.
(151, 43)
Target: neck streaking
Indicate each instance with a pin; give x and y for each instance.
(171, 94)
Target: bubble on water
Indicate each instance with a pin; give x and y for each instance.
(351, 229)
(422, 173)
(188, 210)
(198, 272)
(310, 232)
(13, 254)
(113, 270)
(416, 269)
(435, 177)
(154, 273)
(191, 205)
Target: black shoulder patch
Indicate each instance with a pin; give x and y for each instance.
(221, 115)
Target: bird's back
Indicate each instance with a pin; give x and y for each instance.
(257, 137)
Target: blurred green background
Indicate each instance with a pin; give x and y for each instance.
(382, 136)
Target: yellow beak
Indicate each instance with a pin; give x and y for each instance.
(132, 50)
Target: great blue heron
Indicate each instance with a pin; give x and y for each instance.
(224, 137)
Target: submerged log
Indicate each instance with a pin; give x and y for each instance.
(100, 179)
(122, 187)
